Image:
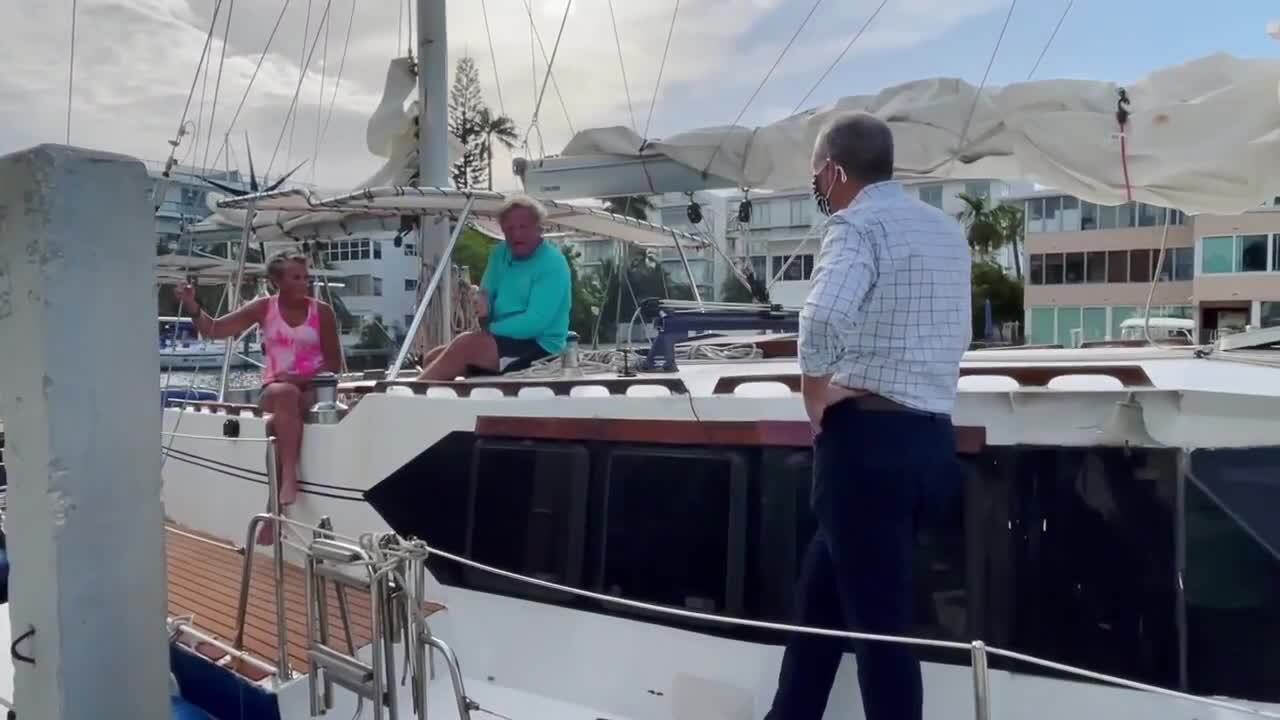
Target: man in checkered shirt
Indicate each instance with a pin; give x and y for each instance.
(881, 336)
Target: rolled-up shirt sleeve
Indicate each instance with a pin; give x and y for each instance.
(844, 273)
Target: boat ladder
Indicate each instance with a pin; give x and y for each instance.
(396, 584)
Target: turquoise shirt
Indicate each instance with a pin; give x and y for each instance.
(529, 299)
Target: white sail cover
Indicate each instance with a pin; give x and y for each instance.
(1202, 136)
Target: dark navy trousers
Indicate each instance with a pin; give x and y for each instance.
(876, 475)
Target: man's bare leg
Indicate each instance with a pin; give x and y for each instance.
(471, 348)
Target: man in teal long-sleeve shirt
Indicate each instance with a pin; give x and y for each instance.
(525, 298)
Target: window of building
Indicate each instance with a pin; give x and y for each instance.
(1053, 270)
(1118, 266)
(1035, 215)
(410, 284)
(1184, 263)
(800, 212)
(666, 503)
(1043, 321)
(1270, 314)
(1126, 215)
(1118, 315)
(1094, 323)
(759, 265)
(377, 249)
(1052, 214)
(1149, 215)
(1074, 265)
(1070, 214)
(1218, 254)
(1253, 253)
(408, 320)
(410, 250)
(931, 194)
(1036, 269)
(801, 268)
(978, 189)
(1095, 267)
(1088, 216)
(762, 214)
(1140, 266)
(674, 216)
(1069, 319)
(1275, 252)
(363, 286)
(1106, 217)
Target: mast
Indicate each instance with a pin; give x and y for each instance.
(433, 156)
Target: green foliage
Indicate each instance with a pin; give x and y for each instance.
(632, 206)
(587, 298)
(645, 278)
(472, 252)
(476, 127)
(990, 282)
(733, 291)
(991, 228)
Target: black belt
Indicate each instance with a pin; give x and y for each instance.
(880, 403)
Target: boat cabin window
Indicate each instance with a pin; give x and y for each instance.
(675, 527)
(1232, 575)
(528, 511)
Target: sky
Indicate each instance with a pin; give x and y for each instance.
(136, 60)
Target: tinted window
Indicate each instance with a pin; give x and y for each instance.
(1118, 266)
(1074, 268)
(1037, 269)
(1232, 574)
(528, 508)
(1140, 265)
(675, 527)
(1053, 269)
(1095, 268)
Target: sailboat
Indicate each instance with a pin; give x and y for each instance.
(615, 536)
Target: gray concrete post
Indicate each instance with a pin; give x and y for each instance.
(79, 394)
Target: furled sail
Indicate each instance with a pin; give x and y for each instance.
(1203, 136)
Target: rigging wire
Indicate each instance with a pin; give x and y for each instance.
(290, 118)
(725, 135)
(533, 28)
(839, 57)
(617, 41)
(71, 68)
(324, 71)
(1052, 35)
(537, 106)
(217, 85)
(977, 96)
(342, 63)
(662, 65)
(252, 78)
(493, 57)
(293, 104)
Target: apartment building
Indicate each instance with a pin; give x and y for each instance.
(1090, 267)
(782, 224)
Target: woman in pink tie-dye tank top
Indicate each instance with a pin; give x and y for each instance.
(300, 340)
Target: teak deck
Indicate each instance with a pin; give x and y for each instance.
(204, 581)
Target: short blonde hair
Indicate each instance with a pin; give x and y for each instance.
(523, 201)
(276, 264)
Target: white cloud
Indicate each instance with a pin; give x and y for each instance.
(135, 60)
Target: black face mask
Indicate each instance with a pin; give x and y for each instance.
(824, 203)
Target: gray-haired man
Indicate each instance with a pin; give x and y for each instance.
(881, 336)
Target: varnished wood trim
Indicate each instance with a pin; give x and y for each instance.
(560, 387)
(757, 433)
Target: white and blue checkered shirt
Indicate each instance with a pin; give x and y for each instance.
(888, 311)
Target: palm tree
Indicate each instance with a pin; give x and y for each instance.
(632, 206)
(1009, 219)
(983, 223)
(495, 127)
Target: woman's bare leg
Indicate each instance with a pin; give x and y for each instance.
(284, 401)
